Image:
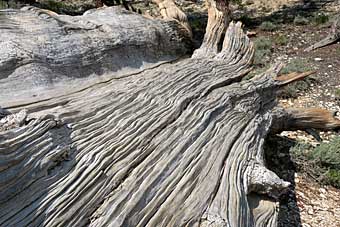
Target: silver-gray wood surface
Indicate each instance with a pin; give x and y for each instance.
(176, 144)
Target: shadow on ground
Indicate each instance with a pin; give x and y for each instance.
(286, 14)
(280, 161)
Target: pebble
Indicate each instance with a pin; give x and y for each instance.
(310, 211)
(323, 196)
(318, 59)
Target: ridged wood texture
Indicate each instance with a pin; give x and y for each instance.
(179, 144)
(59, 54)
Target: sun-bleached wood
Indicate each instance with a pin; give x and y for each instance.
(172, 144)
(58, 54)
(218, 19)
(332, 37)
(170, 11)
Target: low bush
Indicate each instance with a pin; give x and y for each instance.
(301, 20)
(321, 163)
(320, 18)
(268, 26)
(293, 90)
(263, 50)
(281, 40)
(328, 154)
(337, 92)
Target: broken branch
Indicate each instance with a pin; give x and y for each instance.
(300, 119)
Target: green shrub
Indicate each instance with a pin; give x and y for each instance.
(281, 40)
(55, 6)
(260, 57)
(320, 18)
(292, 90)
(296, 65)
(328, 154)
(263, 50)
(322, 162)
(337, 92)
(263, 43)
(268, 26)
(3, 5)
(10, 4)
(333, 178)
(300, 149)
(300, 20)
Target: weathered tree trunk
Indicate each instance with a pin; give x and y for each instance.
(47, 55)
(169, 11)
(176, 144)
(332, 37)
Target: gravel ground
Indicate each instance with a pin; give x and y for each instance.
(308, 204)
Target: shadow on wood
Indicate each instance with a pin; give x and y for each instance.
(172, 144)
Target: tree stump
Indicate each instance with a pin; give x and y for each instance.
(172, 144)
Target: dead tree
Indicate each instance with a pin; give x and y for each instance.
(333, 36)
(108, 130)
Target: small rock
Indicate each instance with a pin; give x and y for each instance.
(310, 211)
(322, 190)
(318, 59)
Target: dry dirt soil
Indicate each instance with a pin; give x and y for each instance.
(310, 204)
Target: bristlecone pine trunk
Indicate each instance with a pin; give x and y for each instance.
(101, 127)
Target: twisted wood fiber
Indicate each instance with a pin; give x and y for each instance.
(179, 144)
